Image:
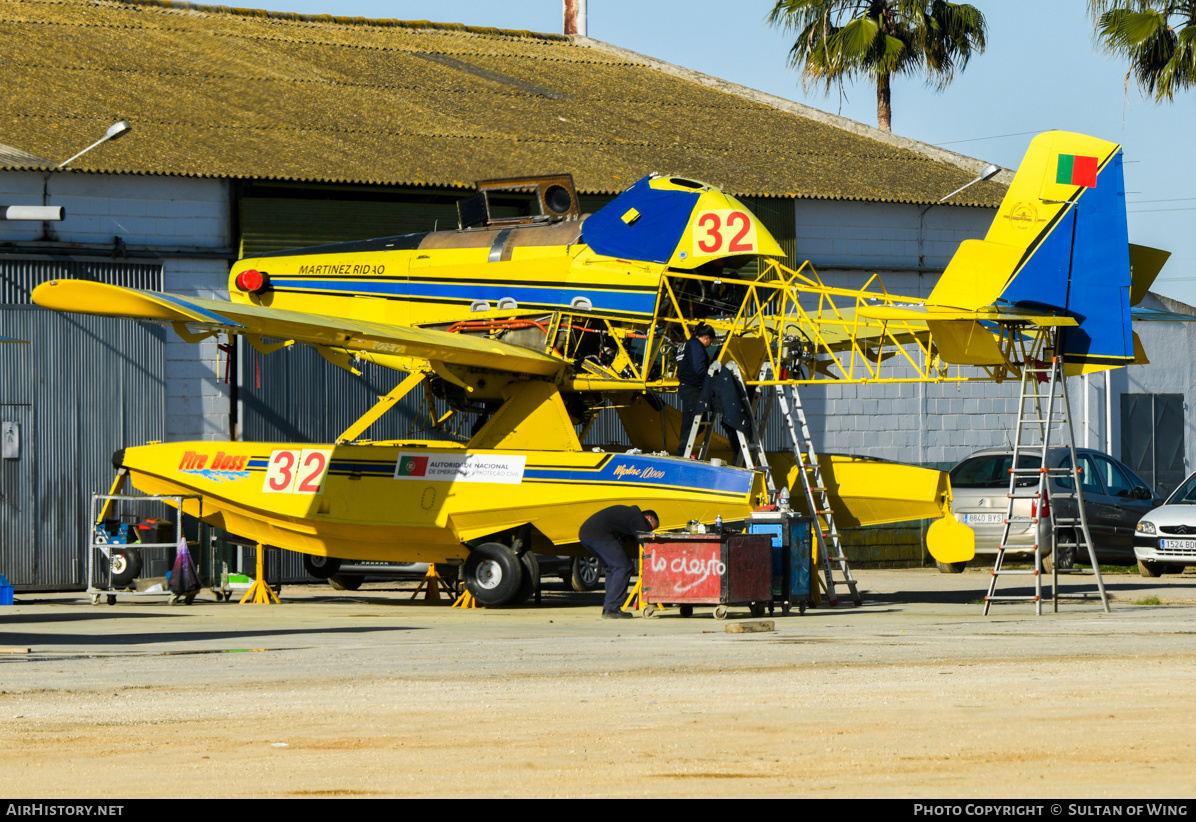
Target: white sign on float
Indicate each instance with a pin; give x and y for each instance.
(507, 470)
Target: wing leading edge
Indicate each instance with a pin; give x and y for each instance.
(86, 297)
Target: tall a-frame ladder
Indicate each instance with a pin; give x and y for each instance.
(1043, 425)
(830, 550)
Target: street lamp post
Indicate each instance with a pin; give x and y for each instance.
(988, 173)
(55, 214)
(115, 131)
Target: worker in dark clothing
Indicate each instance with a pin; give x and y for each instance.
(603, 535)
(692, 366)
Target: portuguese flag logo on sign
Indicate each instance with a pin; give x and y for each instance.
(1076, 170)
(413, 466)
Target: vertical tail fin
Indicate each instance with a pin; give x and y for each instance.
(1060, 245)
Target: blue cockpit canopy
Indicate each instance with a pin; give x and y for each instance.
(642, 223)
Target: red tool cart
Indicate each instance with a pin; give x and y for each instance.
(707, 569)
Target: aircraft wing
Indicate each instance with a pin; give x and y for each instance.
(86, 297)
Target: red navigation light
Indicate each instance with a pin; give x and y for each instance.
(253, 281)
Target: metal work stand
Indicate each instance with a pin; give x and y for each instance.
(98, 544)
(1038, 428)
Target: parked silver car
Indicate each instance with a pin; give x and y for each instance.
(1165, 540)
(1115, 498)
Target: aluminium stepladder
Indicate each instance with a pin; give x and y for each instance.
(830, 549)
(1044, 423)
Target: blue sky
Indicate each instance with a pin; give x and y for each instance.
(1042, 71)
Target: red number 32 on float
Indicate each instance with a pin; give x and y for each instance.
(724, 231)
(297, 472)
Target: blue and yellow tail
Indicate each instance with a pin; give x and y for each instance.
(1059, 247)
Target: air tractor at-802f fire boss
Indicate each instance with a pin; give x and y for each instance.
(529, 326)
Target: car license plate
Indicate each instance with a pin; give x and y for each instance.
(974, 519)
(1179, 545)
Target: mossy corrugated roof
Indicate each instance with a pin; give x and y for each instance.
(233, 93)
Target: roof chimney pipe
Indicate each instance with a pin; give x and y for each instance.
(575, 17)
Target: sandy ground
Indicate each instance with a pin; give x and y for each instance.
(915, 694)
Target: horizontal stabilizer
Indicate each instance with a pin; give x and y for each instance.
(992, 313)
(965, 342)
(1145, 265)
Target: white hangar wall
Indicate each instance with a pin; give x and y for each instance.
(181, 223)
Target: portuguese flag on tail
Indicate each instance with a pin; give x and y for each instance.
(1076, 170)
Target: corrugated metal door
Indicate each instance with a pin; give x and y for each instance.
(82, 388)
(1152, 438)
(294, 395)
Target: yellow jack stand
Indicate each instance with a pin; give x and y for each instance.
(466, 600)
(431, 585)
(260, 593)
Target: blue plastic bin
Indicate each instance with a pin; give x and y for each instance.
(5, 591)
(798, 541)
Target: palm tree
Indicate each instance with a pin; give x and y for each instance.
(842, 39)
(1158, 37)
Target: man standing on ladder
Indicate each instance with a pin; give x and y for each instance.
(692, 366)
(603, 535)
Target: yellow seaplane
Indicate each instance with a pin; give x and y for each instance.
(534, 325)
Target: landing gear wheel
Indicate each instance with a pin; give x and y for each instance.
(126, 565)
(345, 582)
(720, 612)
(531, 573)
(321, 567)
(493, 574)
(586, 574)
(757, 609)
(687, 610)
(951, 567)
(112, 599)
(1149, 569)
(95, 599)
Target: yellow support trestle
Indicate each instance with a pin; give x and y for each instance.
(431, 585)
(260, 593)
